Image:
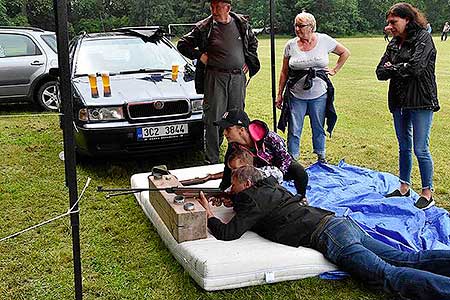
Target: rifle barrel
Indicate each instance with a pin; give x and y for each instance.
(119, 194)
(172, 190)
(101, 189)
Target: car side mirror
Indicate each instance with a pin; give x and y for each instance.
(54, 72)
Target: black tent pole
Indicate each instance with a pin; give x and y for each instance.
(65, 89)
(272, 62)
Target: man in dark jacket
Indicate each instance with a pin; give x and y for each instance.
(263, 206)
(225, 49)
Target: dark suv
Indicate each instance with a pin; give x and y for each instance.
(127, 100)
(26, 56)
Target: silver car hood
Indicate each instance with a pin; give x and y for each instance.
(135, 88)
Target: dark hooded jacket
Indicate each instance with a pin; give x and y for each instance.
(193, 44)
(272, 212)
(412, 74)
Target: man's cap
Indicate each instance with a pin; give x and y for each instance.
(233, 117)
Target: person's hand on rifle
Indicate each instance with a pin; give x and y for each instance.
(204, 202)
(215, 201)
(227, 202)
(218, 201)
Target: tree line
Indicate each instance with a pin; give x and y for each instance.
(335, 17)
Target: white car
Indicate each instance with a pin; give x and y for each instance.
(146, 108)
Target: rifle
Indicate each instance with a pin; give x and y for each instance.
(187, 192)
(199, 180)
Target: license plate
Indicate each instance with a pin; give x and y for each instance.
(155, 132)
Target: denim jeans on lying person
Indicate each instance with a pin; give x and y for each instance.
(413, 275)
(413, 128)
(299, 108)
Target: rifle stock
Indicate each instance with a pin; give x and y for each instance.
(199, 180)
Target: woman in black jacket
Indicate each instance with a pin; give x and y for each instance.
(409, 63)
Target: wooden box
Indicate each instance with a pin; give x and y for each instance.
(183, 224)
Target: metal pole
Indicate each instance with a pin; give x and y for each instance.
(65, 88)
(272, 63)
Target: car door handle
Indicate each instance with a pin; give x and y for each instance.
(37, 63)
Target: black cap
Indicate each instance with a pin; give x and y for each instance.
(233, 117)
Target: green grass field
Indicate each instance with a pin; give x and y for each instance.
(122, 254)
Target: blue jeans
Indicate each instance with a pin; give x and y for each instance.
(413, 129)
(315, 108)
(414, 275)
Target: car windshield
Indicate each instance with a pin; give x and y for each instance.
(125, 55)
(50, 40)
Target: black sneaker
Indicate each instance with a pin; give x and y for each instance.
(397, 193)
(424, 203)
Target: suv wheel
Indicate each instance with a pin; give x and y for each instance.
(47, 96)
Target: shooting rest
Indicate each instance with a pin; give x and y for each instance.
(184, 225)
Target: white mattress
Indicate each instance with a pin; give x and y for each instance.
(250, 260)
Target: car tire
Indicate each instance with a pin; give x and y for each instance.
(47, 96)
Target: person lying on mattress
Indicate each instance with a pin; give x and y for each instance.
(267, 147)
(265, 207)
(239, 158)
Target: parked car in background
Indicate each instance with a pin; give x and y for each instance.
(134, 103)
(26, 56)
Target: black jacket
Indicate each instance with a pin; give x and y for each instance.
(272, 212)
(193, 44)
(413, 80)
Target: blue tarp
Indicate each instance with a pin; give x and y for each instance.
(358, 193)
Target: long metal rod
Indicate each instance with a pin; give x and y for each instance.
(61, 18)
(272, 62)
(171, 190)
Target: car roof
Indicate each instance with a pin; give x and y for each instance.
(101, 35)
(149, 33)
(25, 29)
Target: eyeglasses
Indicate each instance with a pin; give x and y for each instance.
(301, 25)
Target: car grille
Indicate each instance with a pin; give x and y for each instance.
(150, 110)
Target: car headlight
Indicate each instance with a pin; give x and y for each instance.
(197, 105)
(101, 114)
